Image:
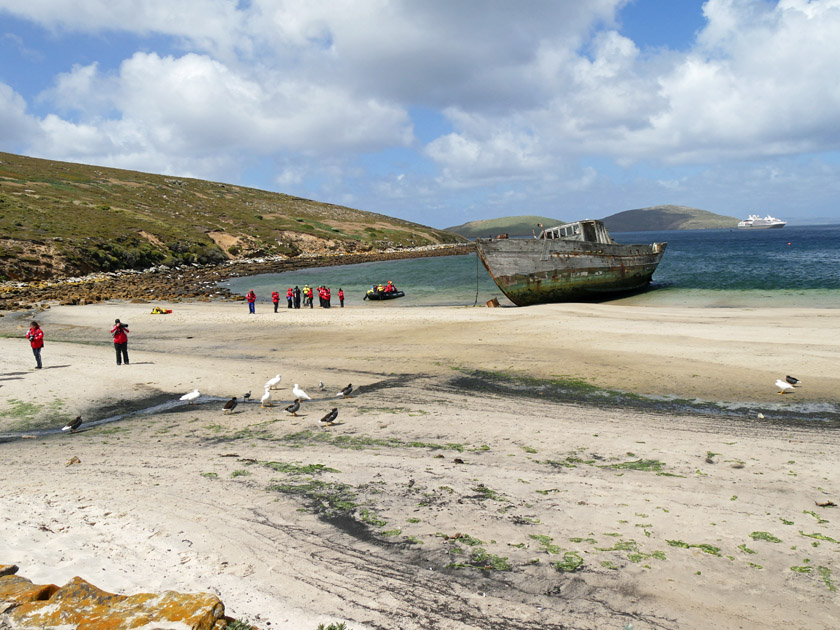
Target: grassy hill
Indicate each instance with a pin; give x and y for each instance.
(667, 218)
(63, 219)
(513, 226)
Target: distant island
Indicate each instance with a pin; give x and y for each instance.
(512, 226)
(668, 217)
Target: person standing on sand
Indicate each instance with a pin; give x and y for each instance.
(120, 334)
(36, 340)
(275, 297)
(341, 296)
(251, 297)
(297, 296)
(290, 296)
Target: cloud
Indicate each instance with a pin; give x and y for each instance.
(16, 126)
(196, 106)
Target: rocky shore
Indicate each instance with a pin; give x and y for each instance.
(189, 282)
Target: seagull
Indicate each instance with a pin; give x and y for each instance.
(329, 419)
(792, 380)
(293, 408)
(265, 401)
(191, 397)
(230, 405)
(299, 393)
(246, 397)
(783, 387)
(320, 386)
(346, 391)
(73, 425)
(272, 382)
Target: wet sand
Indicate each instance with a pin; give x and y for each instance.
(453, 491)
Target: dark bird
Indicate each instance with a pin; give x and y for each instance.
(329, 419)
(293, 408)
(247, 397)
(230, 405)
(346, 391)
(73, 425)
(793, 381)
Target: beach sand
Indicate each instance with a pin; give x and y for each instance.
(455, 490)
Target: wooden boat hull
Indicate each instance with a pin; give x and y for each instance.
(540, 271)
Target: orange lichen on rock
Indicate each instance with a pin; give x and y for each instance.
(81, 605)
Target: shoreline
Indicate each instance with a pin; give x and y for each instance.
(187, 282)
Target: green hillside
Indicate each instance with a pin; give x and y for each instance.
(667, 218)
(513, 226)
(63, 219)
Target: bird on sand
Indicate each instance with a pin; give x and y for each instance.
(247, 396)
(191, 397)
(73, 425)
(792, 380)
(265, 401)
(293, 408)
(329, 419)
(783, 387)
(299, 393)
(320, 386)
(272, 382)
(230, 405)
(346, 391)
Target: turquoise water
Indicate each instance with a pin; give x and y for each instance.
(792, 266)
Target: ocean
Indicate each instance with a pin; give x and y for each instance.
(792, 266)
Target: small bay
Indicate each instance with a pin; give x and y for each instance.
(793, 266)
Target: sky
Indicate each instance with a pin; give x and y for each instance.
(443, 111)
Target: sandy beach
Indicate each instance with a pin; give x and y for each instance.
(466, 483)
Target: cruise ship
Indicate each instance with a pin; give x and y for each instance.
(755, 222)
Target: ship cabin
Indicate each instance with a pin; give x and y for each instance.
(588, 230)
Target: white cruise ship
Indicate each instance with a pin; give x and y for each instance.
(755, 222)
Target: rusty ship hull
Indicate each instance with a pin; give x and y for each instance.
(539, 271)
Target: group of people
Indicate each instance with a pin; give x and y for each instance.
(295, 296)
(390, 287)
(119, 333)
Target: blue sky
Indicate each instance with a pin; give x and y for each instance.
(442, 111)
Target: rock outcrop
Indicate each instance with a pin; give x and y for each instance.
(80, 605)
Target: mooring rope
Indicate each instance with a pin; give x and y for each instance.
(476, 278)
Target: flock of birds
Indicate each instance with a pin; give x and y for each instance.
(266, 399)
(785, 386)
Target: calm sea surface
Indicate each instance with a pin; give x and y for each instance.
(792, 266)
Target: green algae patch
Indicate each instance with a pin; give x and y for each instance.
(570, 563)
(765, 536)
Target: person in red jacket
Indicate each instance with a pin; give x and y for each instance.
(290, 296)
(36, 340)
(275, 297)
(120, 334)
(341, 296)
(251, 297)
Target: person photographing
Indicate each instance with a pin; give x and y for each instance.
(120, 334)
(36, 341)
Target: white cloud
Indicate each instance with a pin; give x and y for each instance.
(16, 126)
(196, 106)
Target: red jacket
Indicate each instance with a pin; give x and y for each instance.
(275, 297)
(290, 293)
(251, 296)
(341, 294)
(36, 337)
(119, 333)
